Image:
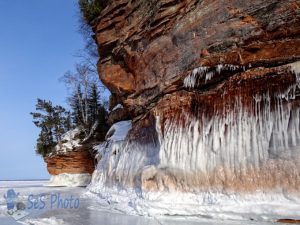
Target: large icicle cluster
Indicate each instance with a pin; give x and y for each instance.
(237, 148)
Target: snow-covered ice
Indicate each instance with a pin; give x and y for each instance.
(70, 180)
(118, 131)
(96, 210)
(259, 207)
(93, 211)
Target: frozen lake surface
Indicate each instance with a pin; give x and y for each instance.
(89, 211)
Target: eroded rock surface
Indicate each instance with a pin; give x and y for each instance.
(213, 90)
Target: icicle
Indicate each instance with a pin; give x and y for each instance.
(202, 72)
(219, 68)
(197, 73)
(209, 76)
(245, 142)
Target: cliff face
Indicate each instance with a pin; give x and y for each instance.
(212, 88)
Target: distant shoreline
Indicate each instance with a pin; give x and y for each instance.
(27, 180)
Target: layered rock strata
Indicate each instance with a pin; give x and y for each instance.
(74, 162)
(213, 91)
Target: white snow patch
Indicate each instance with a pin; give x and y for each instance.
(114, 140)
(119, 106)
(70, 180)
(69, 141)
(258, 206)
(118, 131)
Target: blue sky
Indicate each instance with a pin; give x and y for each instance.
(38, 40)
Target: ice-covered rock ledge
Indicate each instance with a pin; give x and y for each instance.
(71, 164)
(70, 180)
(236, 157)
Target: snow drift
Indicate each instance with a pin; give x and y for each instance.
(70, 180)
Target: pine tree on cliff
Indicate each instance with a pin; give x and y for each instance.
(94, 104)
(45, 142)
(79, 82)
(85, 100)
(67, 121)
(77, 107)
(53, 121)
(91, 9)
(98, 113)
(103, 127)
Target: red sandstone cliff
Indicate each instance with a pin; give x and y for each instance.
(149, 55)
(147, 48)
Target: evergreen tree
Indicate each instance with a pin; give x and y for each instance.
(67, 121)
(85, 100)
(93, 104)
(90, 9)
(75, 103)
(103, 127)
(45, 142)
(53, 121)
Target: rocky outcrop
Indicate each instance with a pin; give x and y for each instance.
(117, 115)
(73, 162)
(212, 88)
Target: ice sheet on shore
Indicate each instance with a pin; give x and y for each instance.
(22, 183)
(110, 205)
(43, 221)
